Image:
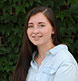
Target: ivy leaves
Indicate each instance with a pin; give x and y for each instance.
(12, 22)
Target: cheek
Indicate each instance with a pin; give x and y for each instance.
(48, 36)
(28, 31)
(48, 33)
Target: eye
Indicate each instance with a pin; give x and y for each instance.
(42, 25)
(30, 26)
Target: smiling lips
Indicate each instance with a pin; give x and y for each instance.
(36, 38)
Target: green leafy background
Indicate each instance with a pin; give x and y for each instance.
(12, 21)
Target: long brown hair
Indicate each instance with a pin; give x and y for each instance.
(27, 48)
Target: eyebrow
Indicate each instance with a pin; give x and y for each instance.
(41, 22)
(38, 23)
(30, 23)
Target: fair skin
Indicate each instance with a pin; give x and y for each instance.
(39, 33)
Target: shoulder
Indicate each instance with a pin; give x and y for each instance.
(61, 55)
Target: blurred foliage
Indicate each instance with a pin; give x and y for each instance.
(12, 20)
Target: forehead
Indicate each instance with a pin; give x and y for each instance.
(39, 17)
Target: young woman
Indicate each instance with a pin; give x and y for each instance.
(42, 56)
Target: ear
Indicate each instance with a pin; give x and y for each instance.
(52, 31)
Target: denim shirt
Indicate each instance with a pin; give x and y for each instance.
(58, 65)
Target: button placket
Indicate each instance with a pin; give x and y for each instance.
(37, 75)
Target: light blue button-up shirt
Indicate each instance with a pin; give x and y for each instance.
(58, 65)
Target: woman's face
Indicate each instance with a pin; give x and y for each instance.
(39, 30)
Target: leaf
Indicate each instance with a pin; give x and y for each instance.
(26, 5)
(10, 1)
(74, 8)
(73, 1)
(16, 30)
(61, 2)
(14, 18)
(39, 1)
(62, 30)
(3, 50)
(1, 3)
(18, 8)
(68, 41)
(31, 2)
(22, 8)
(62, 14)
(76, 44)
(18, 1)
(6, 17)
(9, 28)
(70, 30)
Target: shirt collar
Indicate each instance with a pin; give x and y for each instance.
(57, 48)
(53, 51)
(34, 54)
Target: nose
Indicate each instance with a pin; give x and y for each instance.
(36, 30)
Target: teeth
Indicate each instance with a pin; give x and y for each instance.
(36, 36)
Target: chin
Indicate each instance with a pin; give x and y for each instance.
(37, 44)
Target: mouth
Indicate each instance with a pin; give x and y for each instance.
(36, 38)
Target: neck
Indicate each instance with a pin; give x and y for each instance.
(43, 49)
